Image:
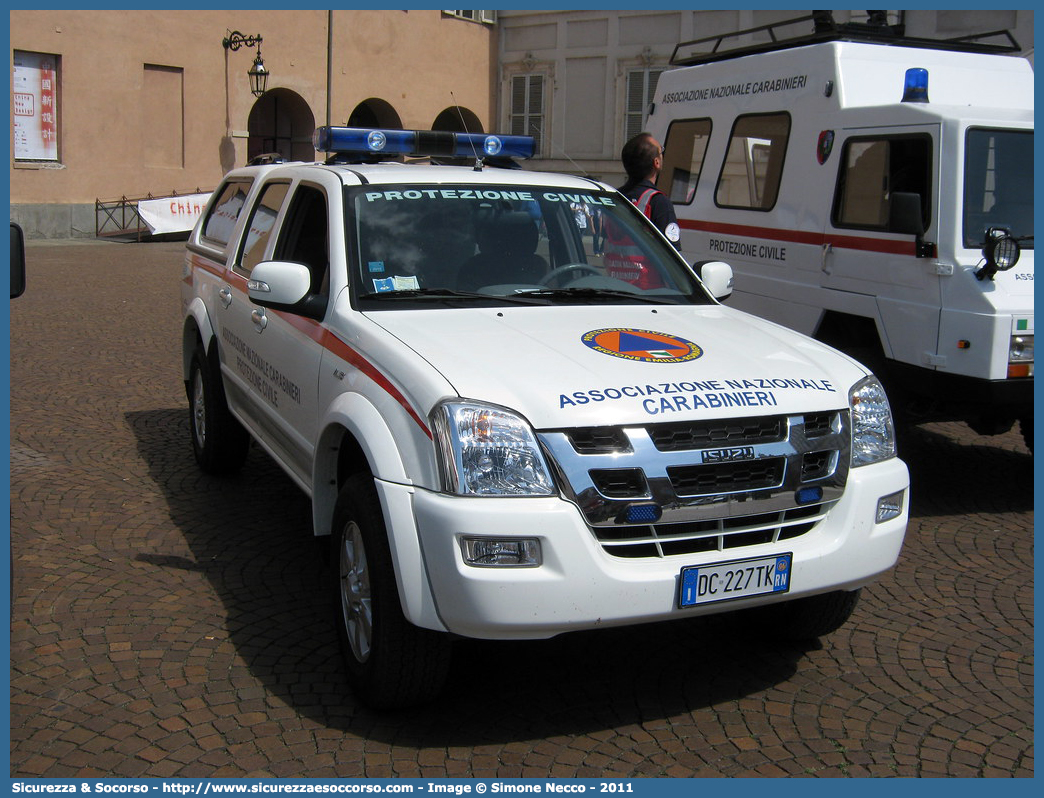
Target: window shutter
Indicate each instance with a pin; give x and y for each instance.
(641, 88)
(527, 106)
(635, 104)
(518, 105)
(536, 108)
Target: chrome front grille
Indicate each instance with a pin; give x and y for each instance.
(598, 440)
(714, 485)
(699, 480)
(728, 432)
(664, 540)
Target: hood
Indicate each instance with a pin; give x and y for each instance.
(572, 366)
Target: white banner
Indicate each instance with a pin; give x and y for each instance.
(172, 214)
(34, 84)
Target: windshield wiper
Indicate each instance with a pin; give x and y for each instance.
(597, 293)
(447, 293)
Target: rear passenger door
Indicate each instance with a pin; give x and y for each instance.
(271, 356)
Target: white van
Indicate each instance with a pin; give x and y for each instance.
(873, 191)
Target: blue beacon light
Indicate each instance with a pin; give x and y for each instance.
(363, 140)
(915, 86)
(376, 140)
(368, 141)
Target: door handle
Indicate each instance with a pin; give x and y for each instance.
(260, 319)
(225, 296)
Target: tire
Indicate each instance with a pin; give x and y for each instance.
(219, 442)
(807, 618)
(390, 662)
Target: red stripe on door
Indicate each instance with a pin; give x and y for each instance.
(866, 243)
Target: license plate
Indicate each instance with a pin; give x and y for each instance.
(735, 579)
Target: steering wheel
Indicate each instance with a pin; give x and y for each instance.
(558, 272)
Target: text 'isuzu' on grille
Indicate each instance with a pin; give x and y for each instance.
(509, 430)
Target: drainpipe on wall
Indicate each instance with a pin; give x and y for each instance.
(329, 61)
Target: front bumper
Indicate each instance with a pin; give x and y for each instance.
(580, 586)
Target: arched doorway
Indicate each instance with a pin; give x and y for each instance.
(375, 112)
(282, 122)
(457, 120)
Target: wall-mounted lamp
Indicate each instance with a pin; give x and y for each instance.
(258, 72)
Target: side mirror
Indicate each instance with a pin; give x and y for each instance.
(284, 285)
(17, 261)
(716, 277)
(904, 213)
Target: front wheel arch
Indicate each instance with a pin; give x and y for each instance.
(342, 454)
(355, 437)
(857, 336)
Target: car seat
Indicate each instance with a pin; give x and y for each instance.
(507, 254)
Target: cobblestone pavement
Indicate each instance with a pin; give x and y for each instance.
(169, 624)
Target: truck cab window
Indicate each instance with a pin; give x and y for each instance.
(304, 238)
(872, 170)
(998, 184)
(753, 167)
(684, 149)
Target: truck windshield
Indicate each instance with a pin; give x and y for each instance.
(442, 245)
(998, 184)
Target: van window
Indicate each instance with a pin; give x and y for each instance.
(872, 170)
(753, 167)
(221, 220)
(260, 226)
(683, 152)
(998, 184)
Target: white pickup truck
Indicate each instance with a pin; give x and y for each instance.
(502, 441)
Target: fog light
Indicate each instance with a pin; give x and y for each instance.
(502, 552)
(889, 507)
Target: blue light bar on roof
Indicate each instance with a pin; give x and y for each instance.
(372, 141)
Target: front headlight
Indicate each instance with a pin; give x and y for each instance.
(488, 451)
(873, 432)
(1020, 349)
(1020, 356)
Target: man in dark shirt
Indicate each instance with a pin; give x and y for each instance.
(642, 159)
